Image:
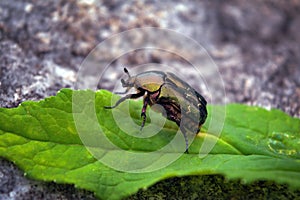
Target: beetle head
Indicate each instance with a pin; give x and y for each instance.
(129, 82)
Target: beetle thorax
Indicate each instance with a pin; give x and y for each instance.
(149, 81)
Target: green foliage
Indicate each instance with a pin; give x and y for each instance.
(41, 138)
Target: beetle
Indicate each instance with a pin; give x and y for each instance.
(178, 101)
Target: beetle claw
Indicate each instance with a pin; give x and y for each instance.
(143, 115)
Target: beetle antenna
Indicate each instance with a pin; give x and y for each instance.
(126, 71)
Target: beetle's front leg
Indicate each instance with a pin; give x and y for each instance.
(144, 109)
(128, 96)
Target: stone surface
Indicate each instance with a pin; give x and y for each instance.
(254, 43)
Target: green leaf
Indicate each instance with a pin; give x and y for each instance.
(42, 139)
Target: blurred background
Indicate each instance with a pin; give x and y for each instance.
(255, 45)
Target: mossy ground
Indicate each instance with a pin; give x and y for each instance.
(215, 187)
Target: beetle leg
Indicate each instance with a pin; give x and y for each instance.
(143, 113)
(186, 139)
(128, 96)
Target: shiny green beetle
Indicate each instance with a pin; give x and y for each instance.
(178, 101)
